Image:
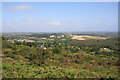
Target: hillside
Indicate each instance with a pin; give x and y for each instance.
(59, 57)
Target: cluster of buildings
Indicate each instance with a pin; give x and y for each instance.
(41, 46)
(21, 40)
(53, 36)
(104, 49)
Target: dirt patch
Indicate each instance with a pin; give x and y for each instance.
(84, 37)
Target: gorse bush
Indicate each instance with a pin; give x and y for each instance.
(56, 50)
(69, 59)
(38, 56)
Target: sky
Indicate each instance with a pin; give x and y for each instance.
(60, 0)
(59, 16)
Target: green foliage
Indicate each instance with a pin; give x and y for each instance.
(38, 56)
(6, 44)
(62, 59)
(95, 44)
(21, 49)
(106, 52)
(56, 50)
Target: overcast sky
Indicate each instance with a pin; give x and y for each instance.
(59, 16)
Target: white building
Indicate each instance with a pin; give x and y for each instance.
(52, 36)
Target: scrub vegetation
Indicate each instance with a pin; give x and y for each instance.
(57, 55)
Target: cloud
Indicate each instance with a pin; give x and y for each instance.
(54, 23)
(30, 22)
(20, 7)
